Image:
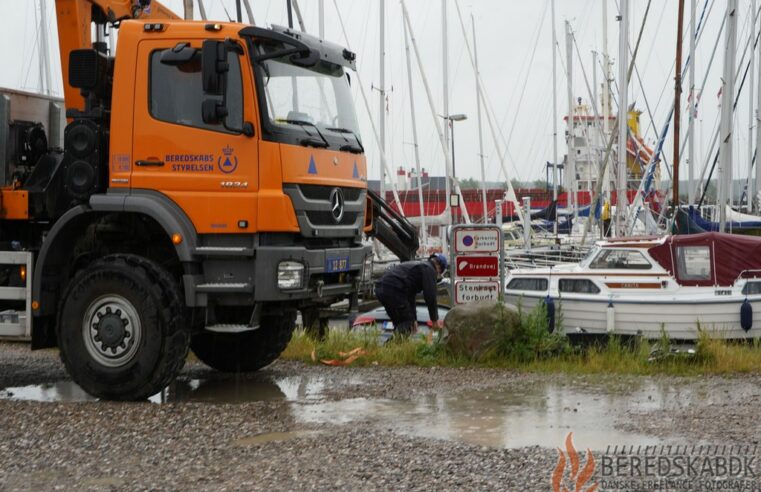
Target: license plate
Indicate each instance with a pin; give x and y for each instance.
(337, 264)
(388, 326)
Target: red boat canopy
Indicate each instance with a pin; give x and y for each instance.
(710, 258)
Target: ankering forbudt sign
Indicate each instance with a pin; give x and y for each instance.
(476, 263)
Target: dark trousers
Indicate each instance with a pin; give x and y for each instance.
(398, 307)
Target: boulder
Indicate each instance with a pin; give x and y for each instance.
(474, 330)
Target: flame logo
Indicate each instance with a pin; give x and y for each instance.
(576, 477)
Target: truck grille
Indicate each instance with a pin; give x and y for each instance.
(313, 210)
(314, 192)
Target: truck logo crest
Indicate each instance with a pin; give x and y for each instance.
(337, 204)
(230, 162)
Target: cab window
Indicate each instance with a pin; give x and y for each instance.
(176, 93)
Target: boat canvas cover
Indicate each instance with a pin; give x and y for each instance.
(731, 255)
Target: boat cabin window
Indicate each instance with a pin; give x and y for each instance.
(693, 262)
(590, 256)
(626, 259)
(527, 284)
(752, 288)
(578, 286)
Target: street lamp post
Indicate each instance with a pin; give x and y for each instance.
(451, 119)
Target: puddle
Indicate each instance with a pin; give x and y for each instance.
(538, 414)
(232, 390)
(541, 415)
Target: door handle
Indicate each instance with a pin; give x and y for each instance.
(149, 163)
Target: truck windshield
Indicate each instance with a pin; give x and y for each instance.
(314, 102)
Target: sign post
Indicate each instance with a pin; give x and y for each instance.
(476, 263)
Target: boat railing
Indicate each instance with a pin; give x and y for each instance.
(538, 258)
(756, 273)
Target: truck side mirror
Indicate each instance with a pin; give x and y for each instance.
(214, 67)
(213, 111)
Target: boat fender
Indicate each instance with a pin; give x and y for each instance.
(550, 304)
(610, 317)
(746, 315)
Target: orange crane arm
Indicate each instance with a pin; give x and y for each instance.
(74, 29)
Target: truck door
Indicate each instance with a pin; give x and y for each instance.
(209, 170)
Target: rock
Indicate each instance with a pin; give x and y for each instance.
(475, 329)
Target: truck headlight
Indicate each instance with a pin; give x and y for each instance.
(367, 269)
(290, 275)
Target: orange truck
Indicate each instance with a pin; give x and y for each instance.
(212, 183)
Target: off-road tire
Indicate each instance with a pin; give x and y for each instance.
(164, 337)
(248, 351)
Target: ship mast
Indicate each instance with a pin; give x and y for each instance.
(445, 82)
(480, 134)
(726, 124)
(677, 105)
(623, 106)
(554, 124)
(570, 171)
(381, 98)
(418, 171)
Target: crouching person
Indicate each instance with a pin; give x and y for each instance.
(399, 286)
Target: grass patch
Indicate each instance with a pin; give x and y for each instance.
(529, 347)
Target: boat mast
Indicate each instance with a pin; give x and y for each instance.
(445, 82)
(45, 80)
(382, 97)
(691, 119)
(725, 127)
(623, 113)
(758, 124)
(751, 185)
(554, 123)
(423, 229)
(510, 193)
(480, 134)
(434, 114)
(321, 18)
(570, 172)
(606, 93)
(677, 105)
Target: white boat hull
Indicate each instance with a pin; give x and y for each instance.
(649, 318)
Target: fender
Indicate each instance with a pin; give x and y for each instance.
(74, 222)
(156, 206)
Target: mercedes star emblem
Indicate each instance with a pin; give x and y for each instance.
(337, 204)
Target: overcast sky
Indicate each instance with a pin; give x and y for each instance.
(515, 56)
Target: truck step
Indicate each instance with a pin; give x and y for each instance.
(229, 328)
(225, 288)
(224, 251)
(16, 324)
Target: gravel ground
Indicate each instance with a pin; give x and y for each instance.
(259, 445)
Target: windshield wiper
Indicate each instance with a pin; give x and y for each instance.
(350, 148)
(309, 141)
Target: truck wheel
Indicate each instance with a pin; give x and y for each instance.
(121, 328)
(248, 351)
